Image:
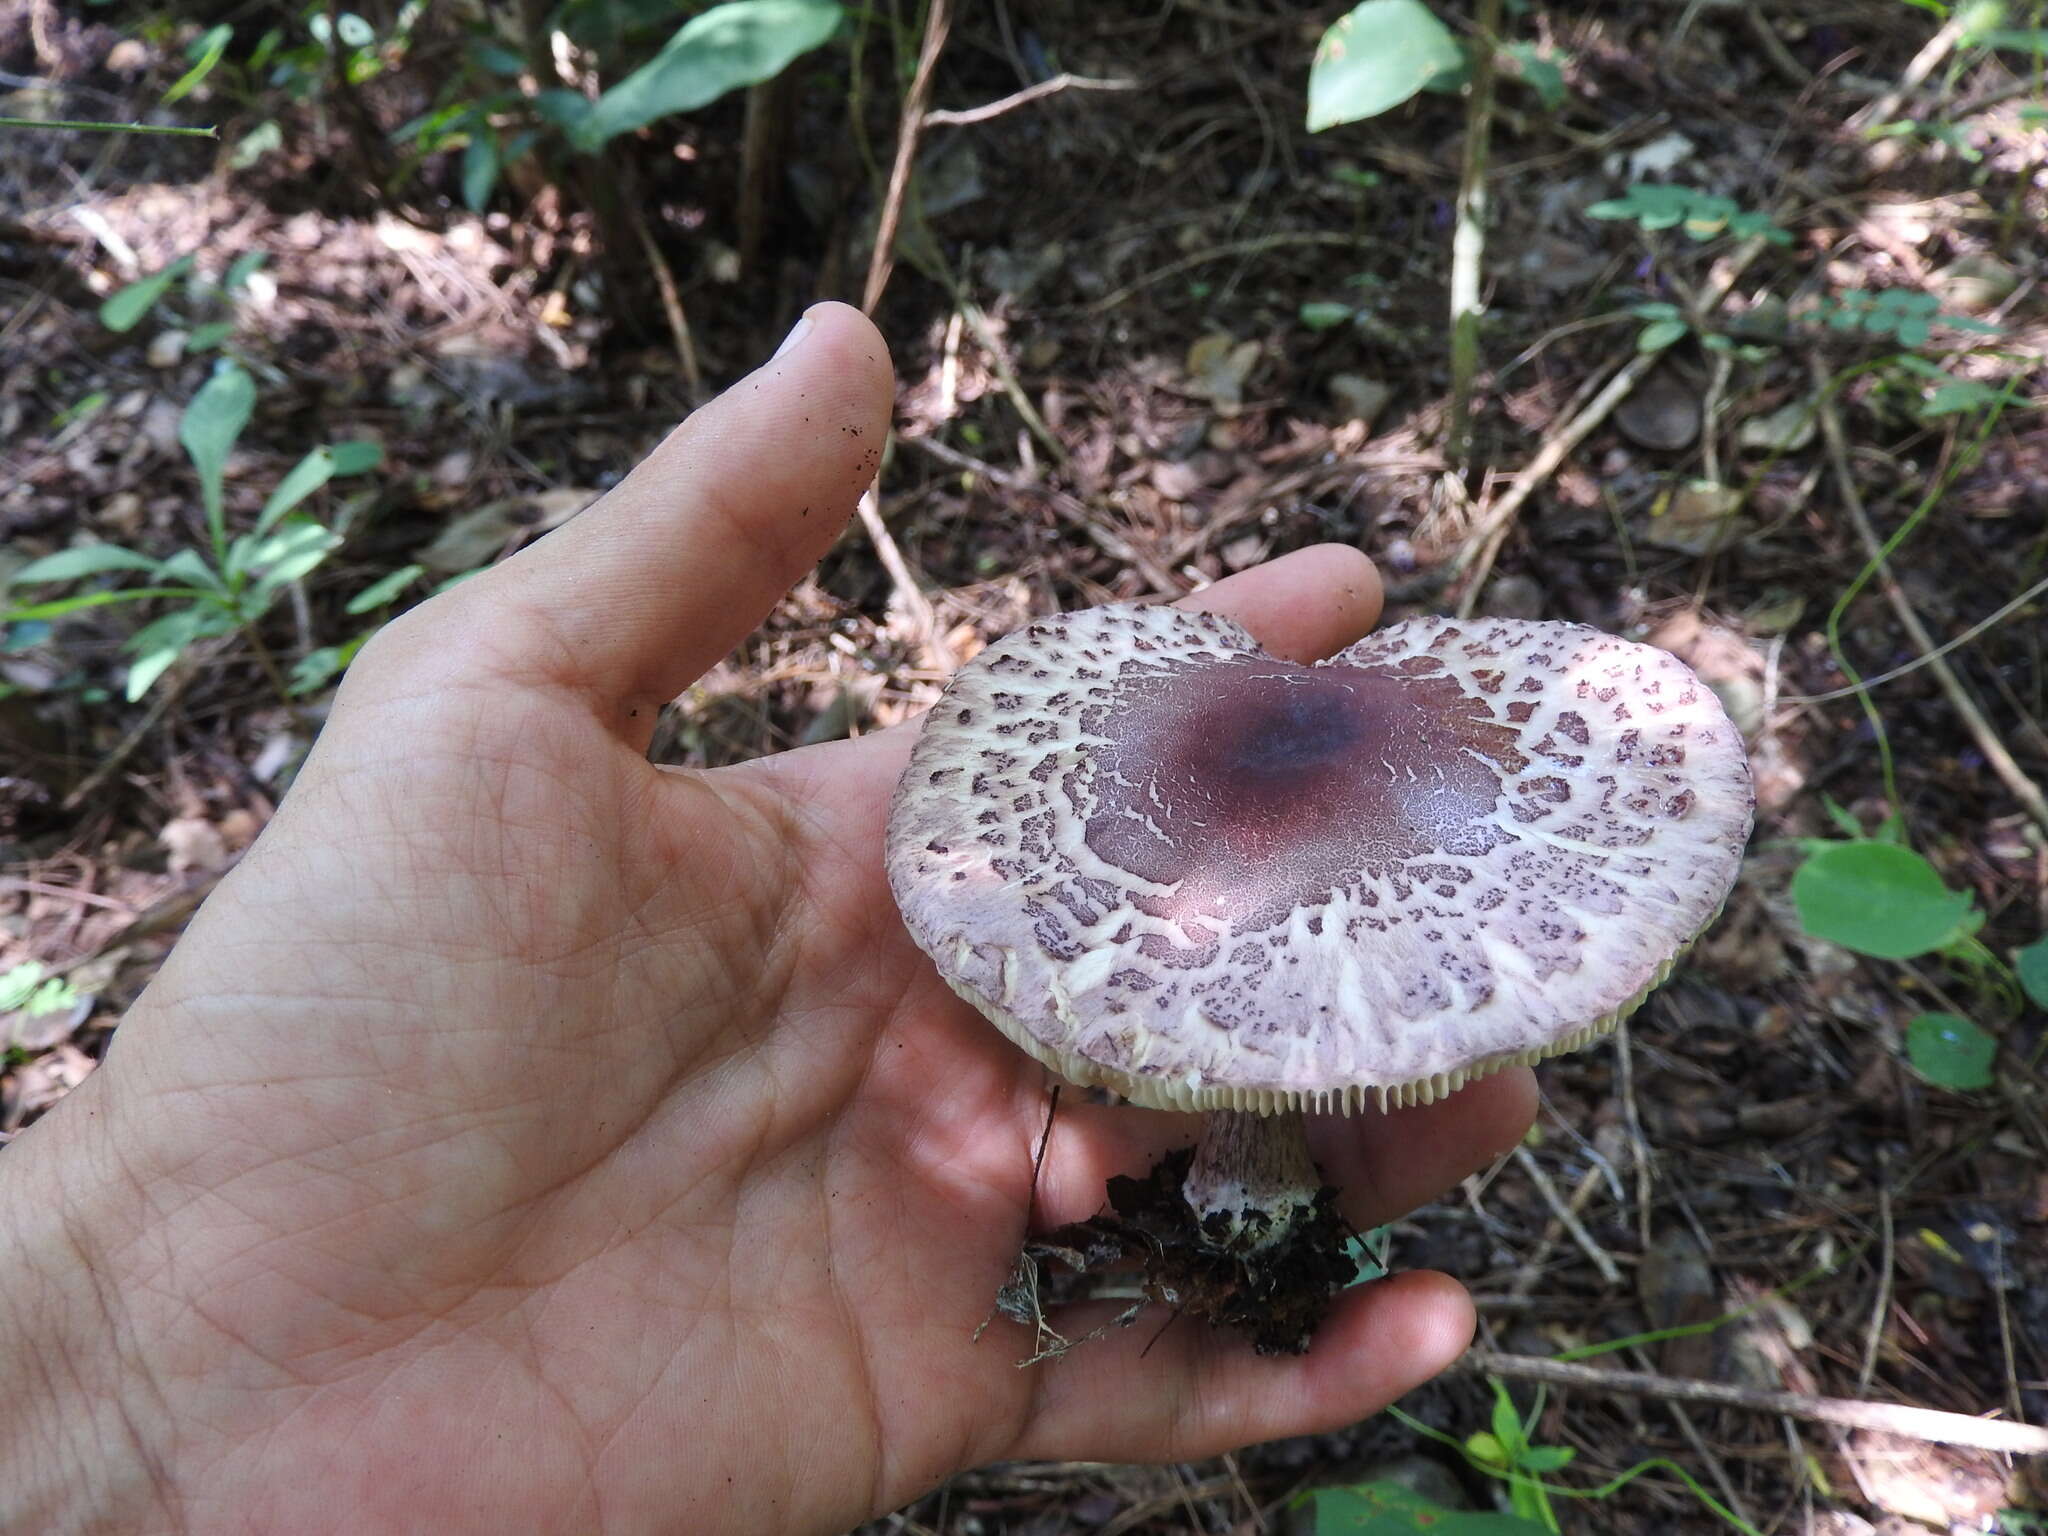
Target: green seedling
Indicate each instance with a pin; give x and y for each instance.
(232, 583)
(1702, 215)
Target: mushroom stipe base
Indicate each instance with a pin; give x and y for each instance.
(1147, 1249)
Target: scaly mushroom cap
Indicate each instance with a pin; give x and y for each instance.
(1166, 862)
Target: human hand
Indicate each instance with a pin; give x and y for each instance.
(528, 1138)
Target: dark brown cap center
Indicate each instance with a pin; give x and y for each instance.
(1259, 785)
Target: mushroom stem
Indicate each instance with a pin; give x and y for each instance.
(1251, 1179)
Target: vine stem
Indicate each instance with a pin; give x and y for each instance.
(73, 125)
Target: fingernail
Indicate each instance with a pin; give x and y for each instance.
(796, 334)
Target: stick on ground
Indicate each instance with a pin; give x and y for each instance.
(1887, 1418)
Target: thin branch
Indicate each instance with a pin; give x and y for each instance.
(883, 257)
(1568, 1218)
(671, 306)
(1907, 668)
(1931, 1424)
(938, 654)
(69, 125)
(1923, 64)
(1468, 240)
(2010, 774)
(1016, 99)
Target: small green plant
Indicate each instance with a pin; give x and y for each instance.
(1874, 895)
(1900, 312)
(1507, 1452)
(27, 989)
(724, 49)
(1950, 395)
(1702, 215)
(126, 308)
(233, 582)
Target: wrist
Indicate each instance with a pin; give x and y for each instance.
(76, 1454)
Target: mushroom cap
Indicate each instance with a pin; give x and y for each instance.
(1167, 863)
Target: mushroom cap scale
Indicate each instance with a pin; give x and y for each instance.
(1165, 862)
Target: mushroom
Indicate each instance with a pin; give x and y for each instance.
(1169, 864)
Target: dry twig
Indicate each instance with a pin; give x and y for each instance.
(883, 258)
(2010, 774)
(671, 307)
(1932, 1424)
(1029, 94)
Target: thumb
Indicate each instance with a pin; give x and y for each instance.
(635, 598)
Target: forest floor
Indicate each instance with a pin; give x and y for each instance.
(1146, 336)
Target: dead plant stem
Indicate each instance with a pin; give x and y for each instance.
(671, 305)
(2010, 774)
(1916, 1423)
(1468, 239)
(1025, 97)
(882, 259)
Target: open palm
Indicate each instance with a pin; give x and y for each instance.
(527, 1138)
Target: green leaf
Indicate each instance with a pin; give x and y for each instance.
(125, 307)
(1954, 398)
(85, 560)
(144, 671)
(1658, 205)
(205, 51)
(1659, 334)
(314, 668)
(356, 455)
(1507, 1419)
(255, 144)
(2032, 965)
(1879, 899)
(1375, 59)
(190, 567)
(25, 989)
(497, 59)
(1385, 1508)
(1950, 1052)
(480, 164)
(304, 478)
(1540, 74)
(1547, 1458)
(286, 556)
(1323, 316)
(241, 270)
(2032, 40)
(208, 430)
(204, 338)
(158, 644)
(59, 607)
(565, 108)
(377, 594)
(740, 43)
(1487, 1450)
